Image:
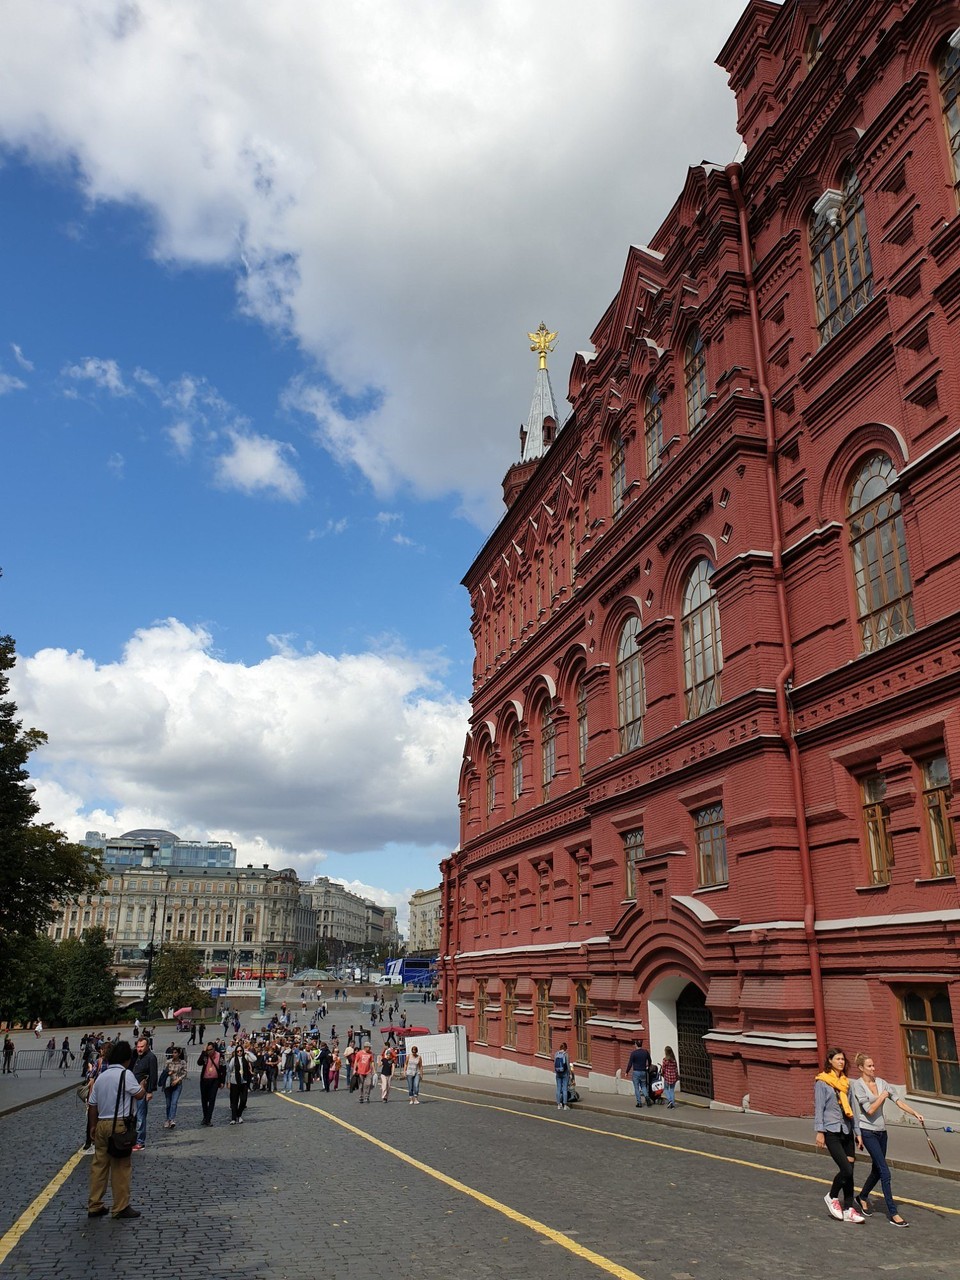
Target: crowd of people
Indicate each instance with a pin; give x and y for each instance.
(121, 1080)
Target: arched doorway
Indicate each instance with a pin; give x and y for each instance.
(694, 1020)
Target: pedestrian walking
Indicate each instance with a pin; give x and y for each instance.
(239, 1073)
(837, 1127)
(213, 1076)
(176, 1073)
(65, 1053)
(638, 1068)
(561, 1071)
(9, 1048)
(413, 1070)
(363, 1069)
(388, 1061)
(110, 1111)
(38, 1028)
(144, 1067)
(289, 1065)
(670, 1074)
(335, 1065)
(193, 1033)
(870, 1092)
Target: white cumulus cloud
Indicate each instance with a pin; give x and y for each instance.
(300, 755)
(406, 189)
(258, 464)
(104, 374)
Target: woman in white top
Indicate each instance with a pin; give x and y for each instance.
(870, 1093)
(414, 1073)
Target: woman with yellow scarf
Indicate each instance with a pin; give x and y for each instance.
(837, 1128)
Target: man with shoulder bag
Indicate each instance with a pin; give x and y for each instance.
(112, 1128)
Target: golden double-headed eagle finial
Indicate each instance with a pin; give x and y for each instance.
(542, 342)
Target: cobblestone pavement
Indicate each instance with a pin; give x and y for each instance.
(294, 1194)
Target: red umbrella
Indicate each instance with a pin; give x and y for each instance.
(181, 1013)
(404, 1031)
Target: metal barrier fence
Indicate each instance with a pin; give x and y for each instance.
(37, 1060)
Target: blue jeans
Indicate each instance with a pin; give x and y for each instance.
(563, 1089)
(288, 1079)
(142, 1105)
(173, 1098)
(640, 1087)
(668, 1093)
(413, 1085)
(876, 1144)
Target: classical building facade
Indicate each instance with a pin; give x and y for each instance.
(707, 793)
(245, 921)
(424, 931)
(348, 924)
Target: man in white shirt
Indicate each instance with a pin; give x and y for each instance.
(114, 1093)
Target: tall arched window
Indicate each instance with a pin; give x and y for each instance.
(840, 257)
(583, 732)
(618, 471)
(702, 651)
(652, 429)
(878, 546)
(948, 71)
(548, 749)
(695, 380)
(631, 695)
(516, 764)
(491, 781)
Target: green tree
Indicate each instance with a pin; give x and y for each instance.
(31, 982)
(38, 865)
(174, 981)
(89, 986)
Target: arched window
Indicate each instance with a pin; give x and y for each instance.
(583, 732)
(702, 651)
(618, 471)
(491, 781)
(695, 380)
(631, 695)
(840, 257)
(948, 71)
(879, 549)
(653, 429)
(516, 764)
(813, 46)
(548, 749)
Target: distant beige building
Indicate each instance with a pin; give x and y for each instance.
(425, 920)
(243, 920)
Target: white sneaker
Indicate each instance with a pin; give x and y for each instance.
(833, 1207)
(852, 1215)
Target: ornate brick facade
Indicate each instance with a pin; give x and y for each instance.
(707, 786)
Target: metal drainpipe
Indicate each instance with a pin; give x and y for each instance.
(733, 172)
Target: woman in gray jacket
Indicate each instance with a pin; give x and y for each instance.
(837, 1128)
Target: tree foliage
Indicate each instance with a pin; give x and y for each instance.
(38, 865)
(89, 986)
(174, 982)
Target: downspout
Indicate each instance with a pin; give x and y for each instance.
(733, 172)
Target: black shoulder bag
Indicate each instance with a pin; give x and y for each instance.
(120, 1143)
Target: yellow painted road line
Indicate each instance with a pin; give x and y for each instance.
(669, 1146)
(558, 1237)
(11, 1238)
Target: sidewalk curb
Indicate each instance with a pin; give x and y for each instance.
(674, 1122)
(32, 1102)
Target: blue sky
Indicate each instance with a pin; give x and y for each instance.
(263, 363)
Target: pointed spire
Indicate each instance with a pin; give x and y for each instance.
(536, 436)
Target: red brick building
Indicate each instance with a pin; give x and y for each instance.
(707, 786)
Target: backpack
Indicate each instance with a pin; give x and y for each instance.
(560, 1063)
